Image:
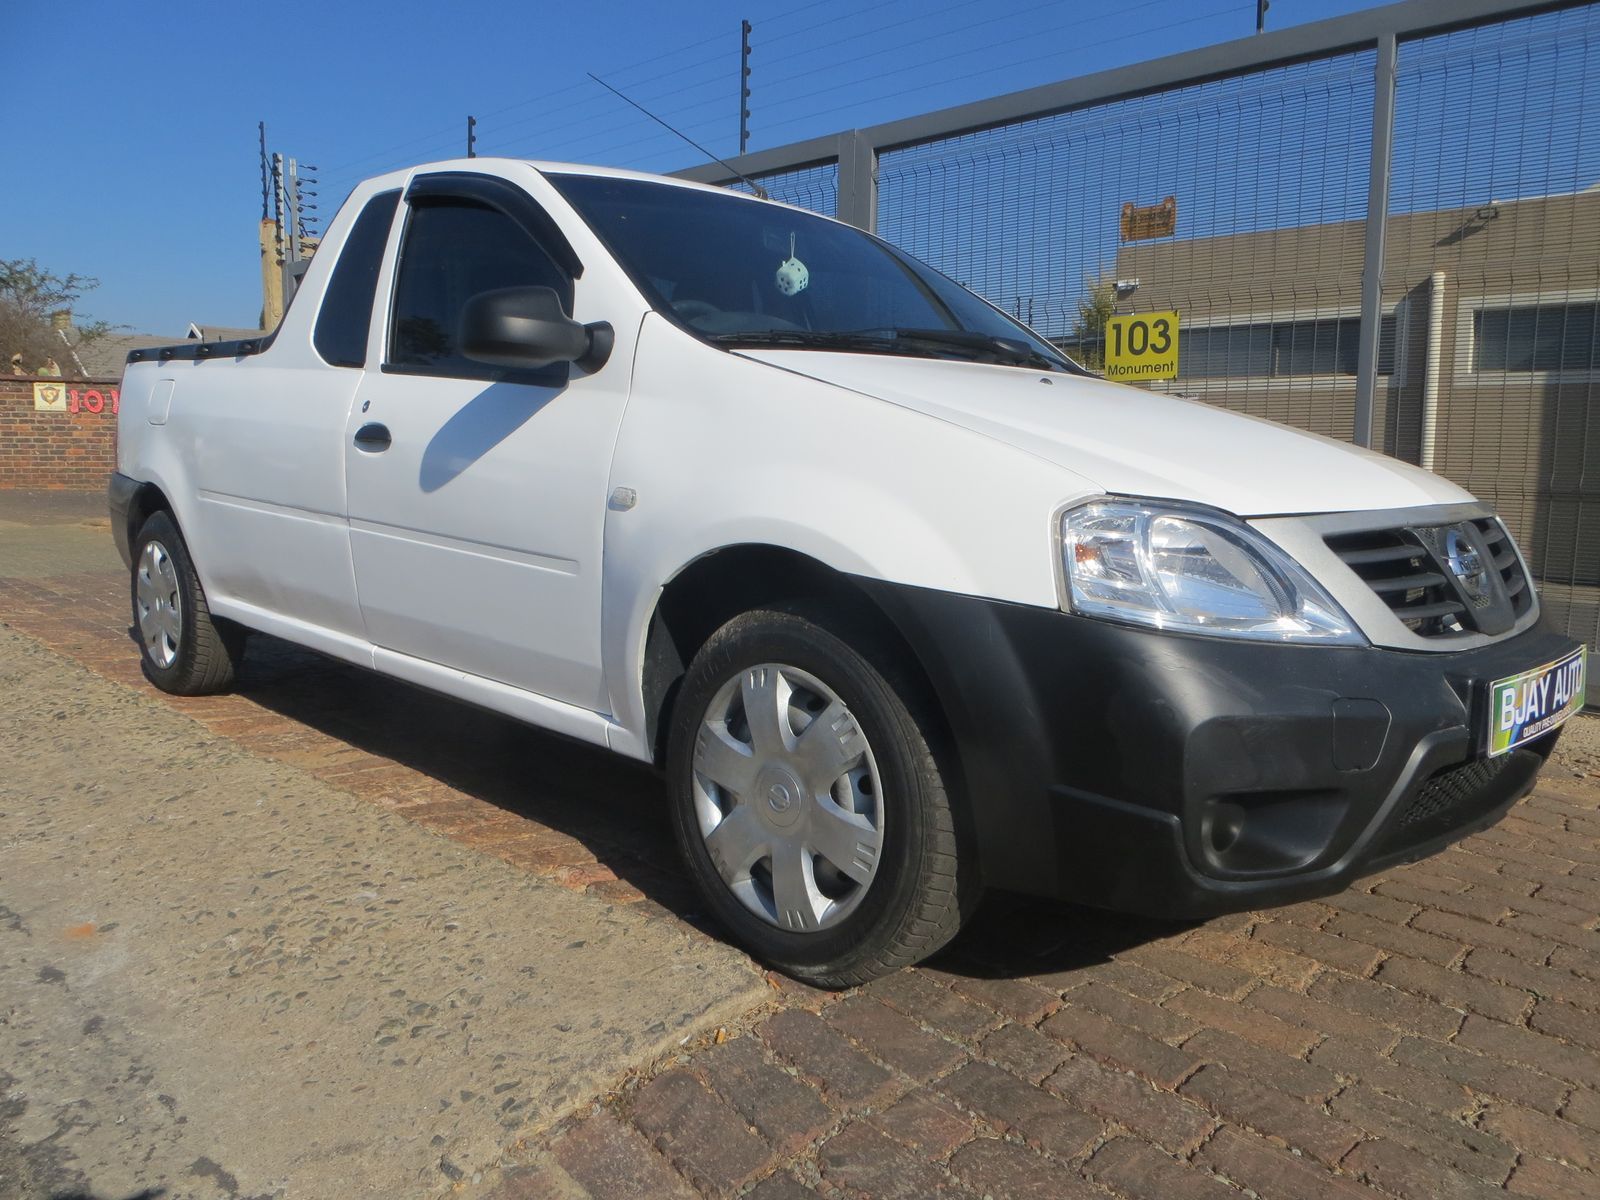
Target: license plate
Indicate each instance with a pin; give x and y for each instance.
(1535, 702)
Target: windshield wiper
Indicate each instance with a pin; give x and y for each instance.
(816, 339)
(1012, 351)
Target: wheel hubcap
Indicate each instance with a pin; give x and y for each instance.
(788, 798)
(156, 607)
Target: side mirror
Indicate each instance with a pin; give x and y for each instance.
(526, 328)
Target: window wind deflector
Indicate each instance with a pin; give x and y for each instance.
(495, 192)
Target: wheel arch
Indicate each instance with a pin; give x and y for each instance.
(148, 497)
(717, 586)
(145, 501)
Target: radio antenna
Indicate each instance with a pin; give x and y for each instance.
(754, 186)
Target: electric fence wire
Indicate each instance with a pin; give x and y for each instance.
(443, 138)
(606, 150)
(604, 135)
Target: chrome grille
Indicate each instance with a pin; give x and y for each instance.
(1410, 570)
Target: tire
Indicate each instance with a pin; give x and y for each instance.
(182, 649)
(834, 883)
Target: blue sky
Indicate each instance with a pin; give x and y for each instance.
(133, 149)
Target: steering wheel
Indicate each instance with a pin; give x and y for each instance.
(691, 310)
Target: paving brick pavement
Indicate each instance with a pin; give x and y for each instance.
(1435, 1032)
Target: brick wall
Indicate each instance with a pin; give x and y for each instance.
(71, 447)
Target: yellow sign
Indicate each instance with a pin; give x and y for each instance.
(1142, 346)
(50, 397)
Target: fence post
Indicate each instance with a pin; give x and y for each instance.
(858, 181)
(1377, 222)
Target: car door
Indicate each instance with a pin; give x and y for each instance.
(264, 437)
(477, 494)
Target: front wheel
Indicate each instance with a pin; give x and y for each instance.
(182, 649)
(809, 805)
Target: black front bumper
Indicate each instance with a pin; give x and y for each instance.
(1182, 776)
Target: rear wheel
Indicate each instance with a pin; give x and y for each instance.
(808, 803)
(181, 648)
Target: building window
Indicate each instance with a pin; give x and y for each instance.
(1537, 337)
(1281, 349)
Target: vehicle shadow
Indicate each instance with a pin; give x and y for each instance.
(477, 427)
(1012, 936)
(615, 808)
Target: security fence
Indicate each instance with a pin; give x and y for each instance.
(815, 187)
(1383, 227)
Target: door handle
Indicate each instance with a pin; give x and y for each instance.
(373, 438)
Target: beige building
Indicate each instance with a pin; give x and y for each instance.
(1489, 368)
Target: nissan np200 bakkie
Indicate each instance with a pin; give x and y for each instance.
(903, 601)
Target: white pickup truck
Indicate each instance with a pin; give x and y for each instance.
(903, 602)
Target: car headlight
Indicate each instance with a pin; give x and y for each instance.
(1194, 571)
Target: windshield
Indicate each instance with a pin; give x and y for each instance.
(741, 273)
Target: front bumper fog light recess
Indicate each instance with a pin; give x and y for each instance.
(1192, 570)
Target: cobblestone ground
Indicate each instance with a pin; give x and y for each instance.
(1433, 1033)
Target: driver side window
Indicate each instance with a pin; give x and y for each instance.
(454, 249)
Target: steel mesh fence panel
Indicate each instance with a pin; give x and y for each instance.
(1241, 203)
(1493, 243)
(1268, 172)
(815, 187)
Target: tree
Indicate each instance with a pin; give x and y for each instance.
(30, 296)
(1095, 307)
